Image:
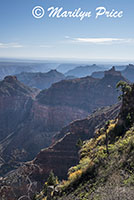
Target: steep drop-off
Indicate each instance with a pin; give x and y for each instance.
(27, 126)
(58, 157)
(106, 167)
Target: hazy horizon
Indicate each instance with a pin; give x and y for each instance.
(65, 60)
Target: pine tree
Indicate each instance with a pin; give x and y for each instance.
(52, 179)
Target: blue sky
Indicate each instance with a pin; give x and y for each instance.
(23, 36)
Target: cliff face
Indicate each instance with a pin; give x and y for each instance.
(58, 157)
(72, 93)
(106, 167)
(15, 103)
(128, 72)
(85, 93)
(64, 153)
(27, 126)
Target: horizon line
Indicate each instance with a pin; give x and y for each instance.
(67, 59)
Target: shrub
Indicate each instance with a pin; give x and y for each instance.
(75, 176)
(52, 180)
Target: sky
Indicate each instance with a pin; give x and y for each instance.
(24, 36)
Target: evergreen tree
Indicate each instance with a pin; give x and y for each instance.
(52, 179)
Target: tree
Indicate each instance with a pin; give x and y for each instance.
(50, 185)
(124, 88)
(79, 143)
(105, 129)
(52, 179)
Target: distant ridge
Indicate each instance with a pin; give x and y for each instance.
(85, 93)
(128, 73)
(40, 80)
(83, 71)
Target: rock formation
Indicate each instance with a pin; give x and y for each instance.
(85, 93)
(40, 80)
(27, 126)
(58, 157)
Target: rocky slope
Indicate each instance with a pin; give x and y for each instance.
(58, 157)
(42, 118)
(40, 80)
(27, 126)
(106, 166)
(85, 93)
(64, 152)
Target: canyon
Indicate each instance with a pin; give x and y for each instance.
(53, 120)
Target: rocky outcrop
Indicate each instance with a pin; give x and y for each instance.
(58, 157)
(11, 87)
(112, 72)
(128, 73)
(86, 93)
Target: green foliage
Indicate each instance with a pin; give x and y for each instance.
(79, 143)
(124, 88)
(95, 167)
(106, 161)
(129, 119)
(130, 180)
(52, 180)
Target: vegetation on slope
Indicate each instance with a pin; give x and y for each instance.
(106, 167)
